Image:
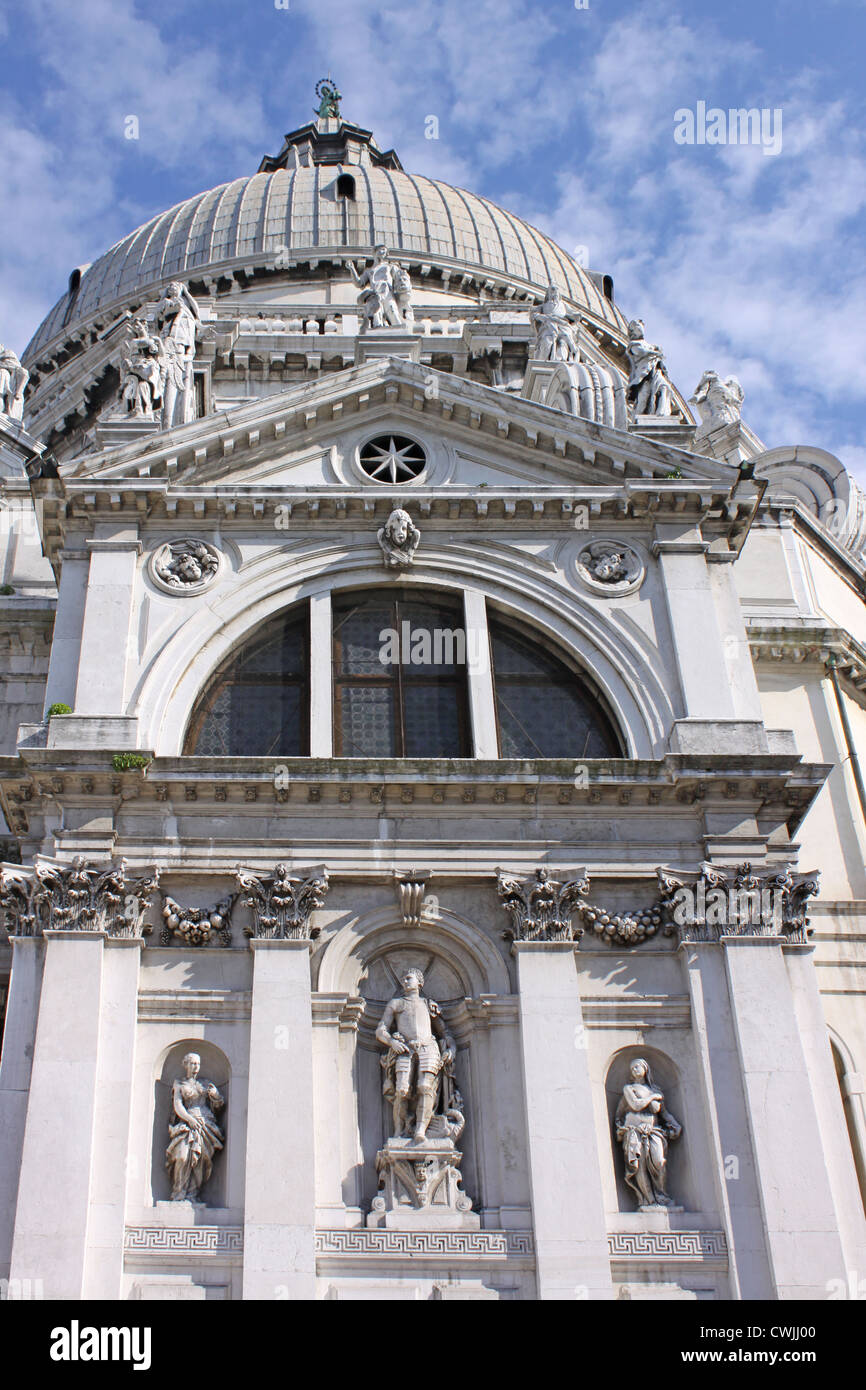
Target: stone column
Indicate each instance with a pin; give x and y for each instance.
(801, 1224)
(737, 1189)
(15, 1067)
(321, 678)
(107, 615)
(482, 704)
(279, 1219)
(710, 656)
(113, 1112)
(66, 640)
(54, 1188)
(568, 1217)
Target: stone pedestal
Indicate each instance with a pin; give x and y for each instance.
(419, 1188)
(387, 342)
(118, 430)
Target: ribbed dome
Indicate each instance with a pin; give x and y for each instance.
(247, 220)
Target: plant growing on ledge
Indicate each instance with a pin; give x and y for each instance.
(59, 708)
(6, 590)
(128, 762)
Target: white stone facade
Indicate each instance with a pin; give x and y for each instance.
(254, 909)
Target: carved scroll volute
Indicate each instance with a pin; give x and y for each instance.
(410, 888)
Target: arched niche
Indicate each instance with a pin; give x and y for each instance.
(682, 1184)
(215, 1067)
(460, 963)
(469, 953)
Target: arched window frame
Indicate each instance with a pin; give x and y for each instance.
(483, 741)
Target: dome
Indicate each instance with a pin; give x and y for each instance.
(246, 221)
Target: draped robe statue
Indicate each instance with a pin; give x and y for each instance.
(13, 379)
(644, 1128)
(195, 1135)
(649, 390)
(556, 339)
(177, 319)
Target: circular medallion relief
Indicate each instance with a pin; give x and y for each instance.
(610, 567)
(392, 458)
(185, 566)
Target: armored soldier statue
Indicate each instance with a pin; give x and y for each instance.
(418, 1063)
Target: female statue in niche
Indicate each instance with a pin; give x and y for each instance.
(195, 1134)
(644, 1128)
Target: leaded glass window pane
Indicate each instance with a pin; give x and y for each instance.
(399, 678)
(256, 704)
(544, 710)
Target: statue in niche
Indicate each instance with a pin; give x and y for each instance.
(719, 402)
(556, 339)
(385, 296)
(418, 1065)
(399, 538)
(143, 372)
(195, 1134)
(649, 391)
(13, 379)
(644, 1128)
(177, 320)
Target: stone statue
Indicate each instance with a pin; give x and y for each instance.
(399, 538)
(719, 402)
(195, 1134)
(177, 320)
(649, 391)
(556, 339)
(418, 1063)
(644, 1128)
(385, 293)
(329, 99)
(13, 379)
(143, 372)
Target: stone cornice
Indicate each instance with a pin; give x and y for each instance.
(300, 411)
(798, 644)
(776, 784)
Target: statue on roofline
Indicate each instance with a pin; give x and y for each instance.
(329, 99)
(556, 336)
(13, 379)
(649, 390)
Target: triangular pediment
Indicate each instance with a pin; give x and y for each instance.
(306, 437)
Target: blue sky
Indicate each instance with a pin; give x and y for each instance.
(748, 263)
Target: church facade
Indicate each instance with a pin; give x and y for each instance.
(434, 824)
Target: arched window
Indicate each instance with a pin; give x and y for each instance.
(543, 709)
(257, 703)
(405, 675)
(346, 186)
(399, 681)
